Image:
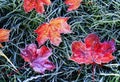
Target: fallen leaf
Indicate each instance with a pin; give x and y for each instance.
(38, 5)
(38, 58)
(52, 31)
(4, 36)
(92, 51)
(1, 46)
(73, 4)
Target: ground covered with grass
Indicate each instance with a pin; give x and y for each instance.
(101, 17)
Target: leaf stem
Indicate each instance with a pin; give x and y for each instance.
(93, 71)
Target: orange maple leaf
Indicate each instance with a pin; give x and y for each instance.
(38, 5)
(73, 4)
(52, 30)
(4, 36)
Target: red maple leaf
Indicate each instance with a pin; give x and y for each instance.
(4, 36)
(38, 5)
(92, 51)
(73, 4)
(37, 58)
(52, 31)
